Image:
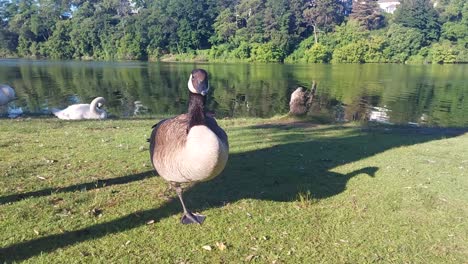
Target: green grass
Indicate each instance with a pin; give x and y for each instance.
(85, 192)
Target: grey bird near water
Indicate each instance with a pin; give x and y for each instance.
(190, 147)
(7, 94)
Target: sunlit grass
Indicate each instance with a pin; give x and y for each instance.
(291, 193)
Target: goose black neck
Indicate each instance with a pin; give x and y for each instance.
(196, 110)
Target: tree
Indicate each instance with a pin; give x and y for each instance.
(367, 13)
(318, 53)
(323, 15)
(455, 15)
(351, 53)
(225, 27)
(250, 14)
(421, 15)
(442, 53)
(276, 20)
(57, 45)
(8, 39)
(402, 43)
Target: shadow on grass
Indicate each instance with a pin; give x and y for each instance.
(78, 187)
(297, 164)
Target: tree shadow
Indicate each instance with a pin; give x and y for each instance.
(295, 165)
(77, 187)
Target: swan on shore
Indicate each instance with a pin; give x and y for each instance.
(83, 111)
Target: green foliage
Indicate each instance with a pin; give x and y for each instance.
(421, 15)
(348, 33)
(129, 48)
(350, 53)
(243, 51)
(219, 52)
(266, 52)
(324, 14)
(113, 29)
(402, 43)
(299, 53)
(367, 14)
(375, 49)
(442, 53)
(57, 45)
(225, 27)
(454, 31)
(318, 53)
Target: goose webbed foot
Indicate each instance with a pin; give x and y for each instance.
(191, 218)
(188, 217)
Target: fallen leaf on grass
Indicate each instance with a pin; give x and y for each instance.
(250, 257)
(150, 222)
(221, 246)
(40, 177)
(207, 247)
(36, 232)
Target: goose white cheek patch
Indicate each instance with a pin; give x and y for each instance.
(190, 85)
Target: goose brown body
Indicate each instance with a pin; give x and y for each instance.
(197, 155)
(190, 147)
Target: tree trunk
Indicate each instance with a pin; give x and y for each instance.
(315, 34)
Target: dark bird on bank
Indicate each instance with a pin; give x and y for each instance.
(190, 147)
(301, 100)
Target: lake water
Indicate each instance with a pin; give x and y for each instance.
(434, 95)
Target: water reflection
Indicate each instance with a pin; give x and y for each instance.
(422, 94)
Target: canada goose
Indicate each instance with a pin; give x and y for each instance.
(190, 147)
(7, 94)
(83, 111)
(301, 100)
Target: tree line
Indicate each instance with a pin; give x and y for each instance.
(313, 31)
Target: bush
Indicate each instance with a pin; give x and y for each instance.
(375, 48)
(154, 54)
(454, 31)
(299, 53)
(318, 53)
(219, 52)
(351, 53)
(443, 53)
(462, 53)
(242, 52)
(266, 52)
(402, 43)
(129, 48)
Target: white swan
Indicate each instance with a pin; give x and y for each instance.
(83, 111)
(6, 94)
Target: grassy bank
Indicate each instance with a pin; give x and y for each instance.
(291, 193)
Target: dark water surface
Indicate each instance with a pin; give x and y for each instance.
(435, 95)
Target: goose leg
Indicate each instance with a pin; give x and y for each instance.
(188, 217)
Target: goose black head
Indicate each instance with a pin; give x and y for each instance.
(198, 82)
